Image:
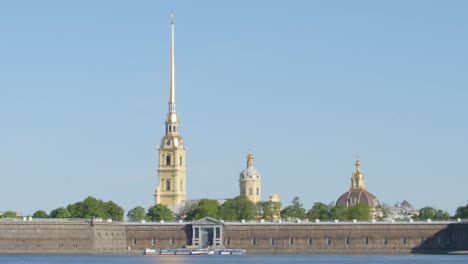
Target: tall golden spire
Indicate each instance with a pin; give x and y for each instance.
(172, 120)
(172, 101)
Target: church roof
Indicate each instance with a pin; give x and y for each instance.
(406, 204)
(353, 197)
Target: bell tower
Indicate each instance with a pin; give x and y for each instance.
(171, 170)
(250, 182)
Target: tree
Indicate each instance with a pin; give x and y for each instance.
(359, 211)
(295, 210)
(319, 211)
(137, 214)
(40, 214)
(338, 212)
(270, 210)
(92, 207)
(205, 208)
(160, 212)
(113, 211)
(9, 214)
(429, 212)
(462, 212)
(60, 213)
(239, 208)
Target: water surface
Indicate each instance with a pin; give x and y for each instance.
(254, 259)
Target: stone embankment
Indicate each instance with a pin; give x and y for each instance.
(52, 236)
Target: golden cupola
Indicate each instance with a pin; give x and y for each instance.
(357, 180)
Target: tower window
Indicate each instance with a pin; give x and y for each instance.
(170, 129)
(258, 191)
(243, 190)
(180, 161)
(168, 185)
(250, 191)
(168, 160)
(173, 128)
(181, 185)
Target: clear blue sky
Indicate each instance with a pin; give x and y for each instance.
(305, 85)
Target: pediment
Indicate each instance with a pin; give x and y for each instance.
(207, 221)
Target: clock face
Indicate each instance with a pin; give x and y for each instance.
(168, 142)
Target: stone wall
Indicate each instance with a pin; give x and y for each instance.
(60, 237)
(156, 235)
(37, 237)
(312, 237)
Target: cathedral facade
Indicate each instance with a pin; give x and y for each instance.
(171, 186)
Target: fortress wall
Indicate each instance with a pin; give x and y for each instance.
(57, 237)
(156, 235)
(333, 236)
(459, 236)
(363, 238)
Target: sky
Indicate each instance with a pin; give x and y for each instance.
(306, 86)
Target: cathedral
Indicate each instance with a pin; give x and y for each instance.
(357, 192)
(171, 189)
(171, 185)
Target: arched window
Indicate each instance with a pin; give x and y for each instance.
(250, 191)
(258, 191)
(173, 128)
(170, 129)
(168, 185)
(180, 161)
(168, 160)
(243, 190)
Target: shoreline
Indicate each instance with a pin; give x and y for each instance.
(249, 252)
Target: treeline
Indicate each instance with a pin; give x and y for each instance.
(88, 208)
(238, 208)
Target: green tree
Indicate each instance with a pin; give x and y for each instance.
(60, 213)
(113, 211)
(295, 210)
(429, 212)
(9, 214)
(462, 212)
(40, 214)
(205, 208)
(92, 207)
(239, 208)
(359, 211)
(338, 213)
(160, 212)
(137, 214)
(319, 211)
(270, 210)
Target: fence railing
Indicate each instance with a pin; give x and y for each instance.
(257, 222)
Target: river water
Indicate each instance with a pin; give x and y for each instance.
(254, 259)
